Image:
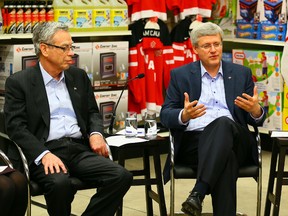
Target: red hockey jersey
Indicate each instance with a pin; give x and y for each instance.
(181, 43)
(193, 7)
(146, 8)
(152, 54)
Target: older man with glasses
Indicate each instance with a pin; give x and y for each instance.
(51, 113)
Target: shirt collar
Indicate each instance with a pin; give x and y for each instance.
(47, 77)
(203, 70)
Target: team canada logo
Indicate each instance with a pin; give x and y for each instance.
(152, 44)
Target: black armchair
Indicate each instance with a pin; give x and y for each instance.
(33, 188)
(180, 171)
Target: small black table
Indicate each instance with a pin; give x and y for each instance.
(279, 149)
(152, 148)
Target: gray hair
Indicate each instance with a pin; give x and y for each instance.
(205, 29)
(44, 32)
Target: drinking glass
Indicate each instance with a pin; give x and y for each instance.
(119, 121)
(131, 124)
(150, 125)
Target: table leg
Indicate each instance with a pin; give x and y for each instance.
(271, 179)
(121, 161)
(160, 190)
(279, 181)
(146, 164)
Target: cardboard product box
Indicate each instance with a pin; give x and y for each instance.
(110, 65)
(248, 30)
(82, 58)
(82, 18)
(272, 104)
(14, 58)
(285, 96)
(275, 11)
(265, 66)
(246, 9)
(273, 20)
(101, 19)
(119, 15)
(106, 101)
(248, 19)
(276, 32)
(285, 119)
(63, 12)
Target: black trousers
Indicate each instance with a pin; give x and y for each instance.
(217, 152)
(111, 179)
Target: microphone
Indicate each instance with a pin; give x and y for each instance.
(139, 76)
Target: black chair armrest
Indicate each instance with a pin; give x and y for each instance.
(5, 159)
(23, 158)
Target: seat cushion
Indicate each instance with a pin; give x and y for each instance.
(36, 190)
(184, 172)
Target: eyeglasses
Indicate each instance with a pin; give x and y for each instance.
(209, 46)
(65, 49)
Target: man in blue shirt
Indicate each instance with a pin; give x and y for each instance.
(51, 113)
(207, 107)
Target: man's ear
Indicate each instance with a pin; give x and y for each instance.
(43, 48)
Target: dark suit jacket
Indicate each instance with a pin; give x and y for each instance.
(237, 80)
(27, 114)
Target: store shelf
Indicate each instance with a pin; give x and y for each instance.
(73, 34)
(256, 42)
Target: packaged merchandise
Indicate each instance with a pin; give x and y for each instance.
(265, 66)
(110, 65)
(273, 20)
(248, 19)
(285, 119)
(119, 14)
(63, 12)
(285, 96)
(82, 14)
(14, 58)
(106, 101)
(27, 17)
(272, 104)
(101, 15)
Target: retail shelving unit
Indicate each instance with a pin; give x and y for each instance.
(77, 36)
(255, 42)
(239, 43)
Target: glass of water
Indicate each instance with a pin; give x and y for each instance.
(131, 124)
(119, 121)
(150, 125)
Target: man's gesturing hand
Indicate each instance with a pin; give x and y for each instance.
(192, 109)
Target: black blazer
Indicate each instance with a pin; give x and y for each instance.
(187, 78)
(27, 114)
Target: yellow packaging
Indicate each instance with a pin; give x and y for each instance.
(119, 14)
(101, 15)
(285, 96)
(285, 119)
(83, 14)
(63, 12)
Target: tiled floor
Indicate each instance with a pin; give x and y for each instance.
(134, 201)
